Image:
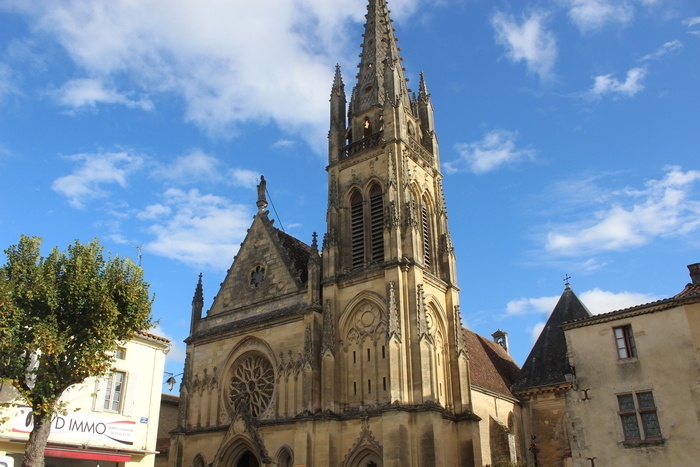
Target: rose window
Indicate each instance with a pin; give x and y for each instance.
(257, 275)
(252, 383)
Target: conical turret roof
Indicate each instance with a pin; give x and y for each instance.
(547, 363)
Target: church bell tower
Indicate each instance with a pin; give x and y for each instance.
(389, 278)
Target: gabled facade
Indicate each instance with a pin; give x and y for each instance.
(635, 400)
(353, 355)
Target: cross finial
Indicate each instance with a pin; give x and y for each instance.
(314, 242)
(566, 280)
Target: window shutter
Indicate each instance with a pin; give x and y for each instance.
(131, 386)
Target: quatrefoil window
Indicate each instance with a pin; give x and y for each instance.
(257, 275)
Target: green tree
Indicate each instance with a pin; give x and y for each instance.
(61, 319)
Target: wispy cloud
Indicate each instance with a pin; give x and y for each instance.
(191, 168)
(669, 207)
(244, 178)
(494, 151)
(529, 42)
(201, 230)
(596, 300)
(691, 22)
(590, 15)
(94, 171)
(202, 52)
(6, 85)
(177, 351)
(607, 84)
(89, 92)
(668, 47)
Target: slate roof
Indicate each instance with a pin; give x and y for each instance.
(298, 251)
(547, 363)
(490, 365)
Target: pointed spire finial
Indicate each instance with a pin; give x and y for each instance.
(338, 85)
(262, 199)
(314, 242)
(566, 281)
(423, 94)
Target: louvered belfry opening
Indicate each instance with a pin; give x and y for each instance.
(376, 211)
(357, 230)
(426, 236)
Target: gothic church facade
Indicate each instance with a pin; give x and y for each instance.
(353, 355)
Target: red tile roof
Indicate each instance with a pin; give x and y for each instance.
(490, 366)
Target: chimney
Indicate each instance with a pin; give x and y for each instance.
(694, 273)
(501, 338)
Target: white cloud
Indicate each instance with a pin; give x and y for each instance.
(190, 168)
(600, 301)
(663, 208)
(495, 150)
(690, 22)
(606, 84)
(88, 92)
(529, 42)
(177, 350)
(535, 331)
(200, 230)
(95, 171)
(526, 306)
(596, 300)
(244, 178)
(663, 50)
(6, 86)
(283, 143)
(594, 14)
(230, 62)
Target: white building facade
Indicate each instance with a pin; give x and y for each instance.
(110, 421)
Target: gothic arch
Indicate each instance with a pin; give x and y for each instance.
(345, 322)
(366, 451)
(238, 449)
(285, 457)
(199, 460)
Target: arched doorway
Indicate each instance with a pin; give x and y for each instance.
(248, 459)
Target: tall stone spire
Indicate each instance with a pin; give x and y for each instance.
(197, 304)
(381, 75)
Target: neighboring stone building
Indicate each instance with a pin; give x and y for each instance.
(635, 399)
(543, 384)
(167, 422)
(109, 421)
(353, 355)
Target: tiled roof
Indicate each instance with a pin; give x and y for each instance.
(154, 337)
(298, 251)
(690, 290)
(169, 398)
(547, 363)
(490, 366)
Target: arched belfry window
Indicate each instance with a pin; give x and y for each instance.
(357, 230)
(366, 127)
(427, 235)
(376, 211)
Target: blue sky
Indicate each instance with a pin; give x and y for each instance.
(569, 136)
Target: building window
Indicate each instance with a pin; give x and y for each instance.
(376, 211)
(624, 339)
(635, 410)
(114, 391)
(121, 353)
(357, 231)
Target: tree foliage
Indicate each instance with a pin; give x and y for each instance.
(61, 319)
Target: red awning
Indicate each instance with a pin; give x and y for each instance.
(92, 455)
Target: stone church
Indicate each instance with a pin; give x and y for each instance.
(351, 354)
